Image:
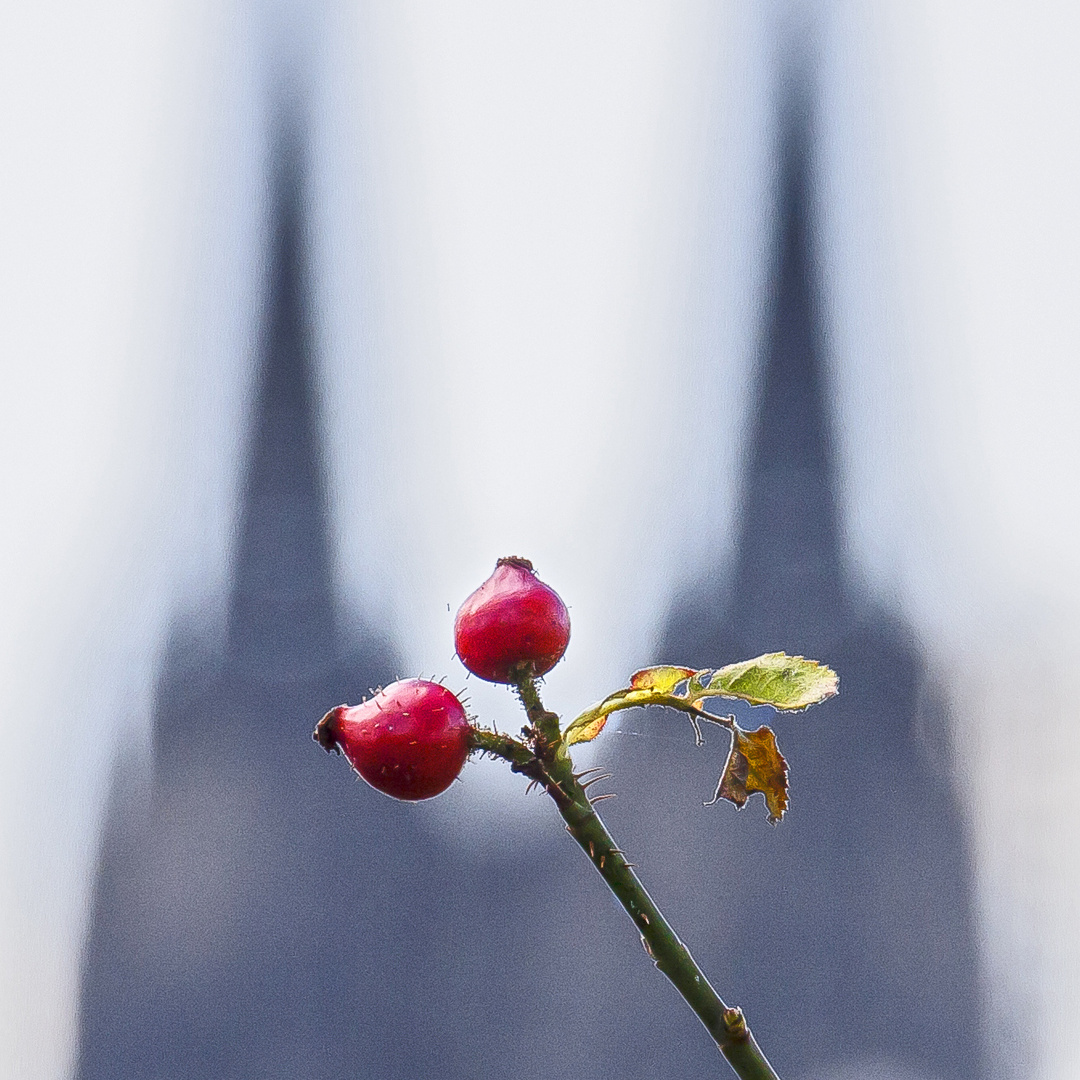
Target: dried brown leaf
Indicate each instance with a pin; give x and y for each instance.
(754, 765)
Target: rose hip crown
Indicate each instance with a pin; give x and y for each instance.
(513, 625)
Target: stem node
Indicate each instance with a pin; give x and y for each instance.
(735, 1023)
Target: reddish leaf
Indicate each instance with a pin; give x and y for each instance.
(663, 679)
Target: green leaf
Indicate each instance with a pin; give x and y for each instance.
(755, 765)
(663, 679)
(776, 679)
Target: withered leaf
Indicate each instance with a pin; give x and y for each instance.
(754, 765)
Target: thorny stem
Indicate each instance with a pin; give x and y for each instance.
(545, 724)
(545, 760)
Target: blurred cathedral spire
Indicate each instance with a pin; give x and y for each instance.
(281, 613)
(848, 932)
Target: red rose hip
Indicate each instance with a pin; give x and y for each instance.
(409, 741)
(513, 625)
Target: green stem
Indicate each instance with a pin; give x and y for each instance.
(504, 746)
(726, 1025)
(545, 724)
(551, 766)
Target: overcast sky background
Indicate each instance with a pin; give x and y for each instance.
(540, 243)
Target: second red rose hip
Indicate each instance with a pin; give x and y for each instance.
(512, 625)
(409, 741)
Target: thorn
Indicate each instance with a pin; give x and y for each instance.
(595, 780)
(585, 772)
(602, 858)
(592, 850)
(600, 798)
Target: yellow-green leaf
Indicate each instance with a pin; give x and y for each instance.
(586, 727)
(776, 679)
(663, 679)
(591, 722)
(754, 765)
